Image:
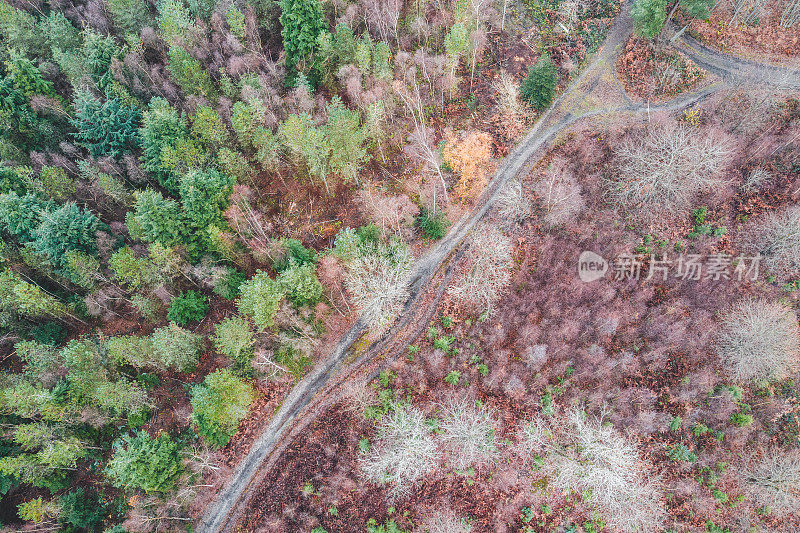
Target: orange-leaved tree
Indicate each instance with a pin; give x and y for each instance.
(469, 155)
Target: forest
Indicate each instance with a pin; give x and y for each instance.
(202, 200)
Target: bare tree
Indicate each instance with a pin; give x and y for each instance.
(777, 240)
(512, 203)
(775, 482)
(561, 197)
(587, 455)
(468, 434)
(760, 340)
(663, 170)
(487, 269)
(445, 521)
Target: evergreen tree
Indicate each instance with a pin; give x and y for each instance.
(649, 16)
(301, 21)
(233, 338)
(219, 404)
(189, 73)
(259, 299)
(129, 15)
(21, 215)
(539, 86)
(156, 219)
(162, 127)
(145, 463)
(176, 348)
(204, 195)
(65, 229)
(106, 128)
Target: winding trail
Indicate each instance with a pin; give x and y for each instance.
(572, 106)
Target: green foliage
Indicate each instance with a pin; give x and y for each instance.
(208, 126)
(680, 452)
(129, 15)
(156, 219)
(49, 333)
(219, 404)
(55, 183)
(346, 139)
(14, 179)
(649, 16)
(741, 419)
(38, 510)
(456, 44)
(433, 224)
(24, 298)
(233, 338)
(189, 73)
(81, 510)
(301, 284)
(453, 377)
(25, 128)
(189, 306)
(161, 128)
(175, 347)
(130, 350)
(294, 253)
(539, 86)
(129, 270)
(142, 462)
(301, 22)
(228, 283)
(173, 19)
(389, 527)
(204, 195)
(18, 31)
(107, 128)
(21, 215)
(259, 299)
(236, 22)
(66, 229)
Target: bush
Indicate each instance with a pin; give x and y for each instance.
(259, 299)
(775, 483)
(233, 338)
(301, 284)
(468, 434)
(760, 340)
(539, 86)
(142, 462)
(404, 451)
(662, 170)
(189, 306)
(219, 404)
(433, 224)
(777, 239)
(175, 347)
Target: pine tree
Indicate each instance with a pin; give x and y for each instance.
(162, 127)
(106, 128)
(129, 15)
(219, 404)
(176, 348)
(302, 21)
(156, 219)
(189, 73)
(145, 463)
(66, 229)
(539, 86)
(260, 296)
(649, 16)
(234, 338)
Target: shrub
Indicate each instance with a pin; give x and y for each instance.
(760, 340)
(301, 284)
(662, 170)
(487, 271)
(259, 299)
(403, 452)
(142, 462)
(175, 347)
(219, 404)
(468, 434)
(433, 224)
(587, 455)
(233, 338)
(777, 239)
(775, 482)
(189, 306)
(539, 86)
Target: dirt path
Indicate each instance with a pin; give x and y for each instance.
(223, 513)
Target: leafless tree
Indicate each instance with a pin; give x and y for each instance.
(775, 482)
(760, 340)
(512, 203)
(666, 167)
(444, 521)
(586, 454)
(561, 197)
(487, 269)
(777, 240)
(468, 434)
